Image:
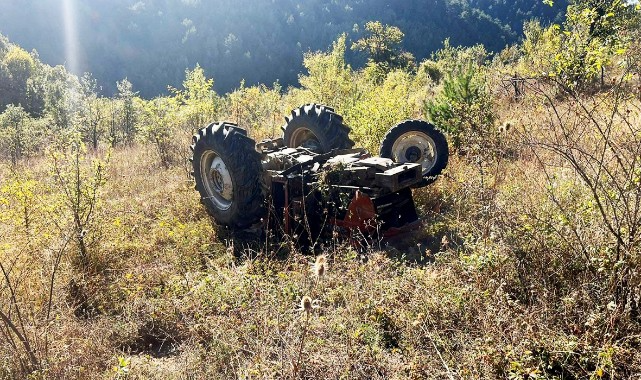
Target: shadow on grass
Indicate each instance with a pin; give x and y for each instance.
(418, 246)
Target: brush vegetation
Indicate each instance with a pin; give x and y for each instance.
(527, 266)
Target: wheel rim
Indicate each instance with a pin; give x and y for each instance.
(307, 139)
(416, 147)
(217, 180)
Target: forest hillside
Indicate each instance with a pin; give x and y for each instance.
(152, 42)
(526, 265)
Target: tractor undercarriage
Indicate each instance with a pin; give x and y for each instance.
(310, 184)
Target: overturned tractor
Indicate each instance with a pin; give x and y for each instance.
(311, 182)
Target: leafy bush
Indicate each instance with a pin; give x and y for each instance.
(257, 108)
(160, 125)
(383, 45)
(199, 104)
(78, 179)
(577, 53)
(329, 79)
(539, 49)
(380, 107)
(20, 134)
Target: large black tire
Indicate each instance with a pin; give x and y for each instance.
(317, 128)
(417, 141)
(227, 171)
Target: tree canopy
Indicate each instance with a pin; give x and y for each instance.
(153, 42)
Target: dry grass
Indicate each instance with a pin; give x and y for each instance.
(497, 289)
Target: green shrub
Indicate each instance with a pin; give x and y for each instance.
(329, 79)
(380, 107)
(20, 134)
(160, 125)
(463, 109)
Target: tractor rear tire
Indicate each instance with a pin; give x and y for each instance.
(316, 127)
(227, 171)
(420, 142)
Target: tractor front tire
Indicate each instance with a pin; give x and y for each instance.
(420, 142)
(227, 171)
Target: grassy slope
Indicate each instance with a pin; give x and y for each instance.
(169, 298)
(501, 290)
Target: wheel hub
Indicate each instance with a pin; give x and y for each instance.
(221, 179)
(415, 147)
(307, 139)
(217, 180)
(413, 154)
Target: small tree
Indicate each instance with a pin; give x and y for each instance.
(539, 48)
(160, 123)
(330, 77)
(60, 97)
(597, 137)
(112, 108)
(256, 108)
(92, 111)
(19, 133)
(18, 67)
(464, 107)
(383, 45)
(126, 96)
(29, 270)
(381, 106)
(199, 103)
(577, 54)
(79, 181)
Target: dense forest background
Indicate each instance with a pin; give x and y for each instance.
(152, 42)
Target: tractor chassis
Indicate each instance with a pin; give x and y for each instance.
(356, 195)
